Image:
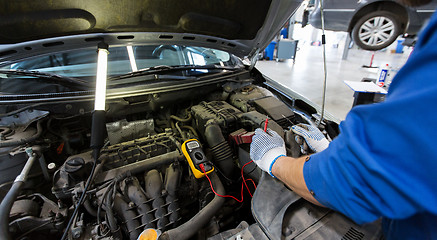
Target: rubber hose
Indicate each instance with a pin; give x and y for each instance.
(5, 208)
(128, 216)
(38, 133)
(181, 119)
(220, 149)
(192, 226)
(8, 200)
(191, 129)
(89, 208)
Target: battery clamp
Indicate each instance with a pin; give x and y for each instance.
(195, 156)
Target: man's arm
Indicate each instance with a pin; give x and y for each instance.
(268, 152)
(290, 171)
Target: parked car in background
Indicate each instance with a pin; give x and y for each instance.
(373, 24)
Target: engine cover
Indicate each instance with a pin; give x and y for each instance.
(221, 112)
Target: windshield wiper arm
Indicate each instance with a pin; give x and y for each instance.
(150, 79)
(166, 68)
(51, 76)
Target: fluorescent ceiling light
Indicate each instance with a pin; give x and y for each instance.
(102, 66)
(133, 64)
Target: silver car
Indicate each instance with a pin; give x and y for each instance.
(373, 24)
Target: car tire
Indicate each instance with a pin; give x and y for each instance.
(376, 30)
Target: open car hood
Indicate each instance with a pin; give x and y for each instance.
(242, 27)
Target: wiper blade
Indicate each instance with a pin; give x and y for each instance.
(149, 79)
(50, 76)
(166, 68)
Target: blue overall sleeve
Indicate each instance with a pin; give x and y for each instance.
(384, 162)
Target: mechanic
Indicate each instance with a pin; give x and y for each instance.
(383, 163)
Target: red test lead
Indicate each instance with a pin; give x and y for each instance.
(202, 167)
(265, 125)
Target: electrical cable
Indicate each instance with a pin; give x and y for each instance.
(244, 180)
(223, 196)
(223, 175)
(324, 63)
(72, 116)
(242, 184)
(99, 208)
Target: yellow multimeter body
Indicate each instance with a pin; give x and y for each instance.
(194, 154)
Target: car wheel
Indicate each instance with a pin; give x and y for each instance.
(376, 30)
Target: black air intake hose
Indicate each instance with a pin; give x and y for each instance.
(6, 206)
(136, 195)
(192, 226)
(128, 216)
(11, 196)
(220, 149)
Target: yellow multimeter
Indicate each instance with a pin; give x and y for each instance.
(194, 154)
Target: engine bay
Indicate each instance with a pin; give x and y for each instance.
(142, 178)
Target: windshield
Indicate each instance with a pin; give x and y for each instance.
(81, 64)
(122, 60)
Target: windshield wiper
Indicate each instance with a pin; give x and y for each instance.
(74, 82)
(149, 79)
(166, 68)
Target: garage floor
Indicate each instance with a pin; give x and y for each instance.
(305, 76)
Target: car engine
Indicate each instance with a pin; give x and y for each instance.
(142, 178)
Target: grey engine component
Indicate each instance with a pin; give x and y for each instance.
(241, 97)
(253, 98)
(36, 210)
(219, 118)
(118, 160)
(142, 179)
(12, 160)
(213, 118)
(218, 112)
(137, 204)
(123, 130)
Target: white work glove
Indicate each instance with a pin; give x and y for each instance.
(312, 135)
(266, 148)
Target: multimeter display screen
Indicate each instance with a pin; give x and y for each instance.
(192, 145)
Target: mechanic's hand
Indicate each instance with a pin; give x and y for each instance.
(265, 148)
(312, 135)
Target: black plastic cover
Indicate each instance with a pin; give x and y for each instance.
(276, 109)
